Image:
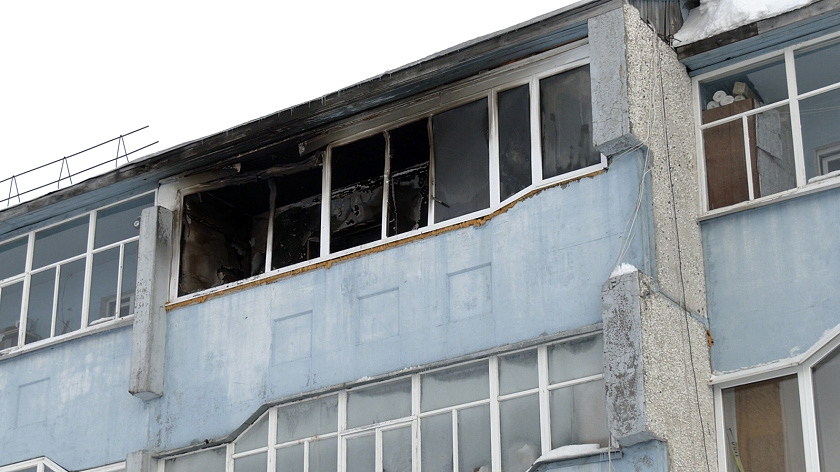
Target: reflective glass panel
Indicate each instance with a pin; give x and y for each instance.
(40, 306)
(760, 84)
(579, 415)
(771, 149)
(323, 455)
(816, 66)
(518, 372)
(205, 461)
(454, 386)
(575, 359)
(60, 242)
(13, 258)
(436, 437)
(297, 218)
(820, 118)
(307, 419)
(11, 297)
(361, 454)
(129, 279)
(290, 459)
(71, 285)
(252, 463)
(514, 140)
(103, 284)
(474, 439)
(255, 437)
(520, 425)
(379, 403)
(827, 405)
(121, 221)
(396, 450)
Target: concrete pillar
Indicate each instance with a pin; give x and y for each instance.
(140, 461)
(153, 274)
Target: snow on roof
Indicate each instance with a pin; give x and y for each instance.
(717, 16)
(572, 451)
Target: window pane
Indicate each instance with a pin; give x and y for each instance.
(760, 84)
(763, 426)
(207, 461)
(396, 450)
(121, 221)
(520, 424)
(13, 258)
(307, 419)
(820, 118)
(11, 297)
(60, 242)
(290, 459)
(361, 454)
(379, 403)
(575, 359)
(817, 66)
(255, 437)
(462, 160)
(297, 218)
(514, 140)
(454, 386)
(71, 285)
(566, 122)
(827, 405)
(103, 284)
(223, 236)
(474, 439)
(436, 442)
(408, 208)
(771, 148)
(323, 455)
(579, 415)
(40, 306)
(518, 372)
(129, 279)
(253, 463)
(358, 171)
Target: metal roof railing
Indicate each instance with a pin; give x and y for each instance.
(65, 176)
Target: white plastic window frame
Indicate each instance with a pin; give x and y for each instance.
(793, 98)
(802, 367)
(527, 71)
(87, 256)
(43, 464)
(543, 390)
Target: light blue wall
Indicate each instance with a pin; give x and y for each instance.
(772, 279)
(536, 269)
(70, 402)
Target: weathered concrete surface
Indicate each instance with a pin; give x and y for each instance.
(656, 373)
(772, 276)
(153, 271)
(140, 461)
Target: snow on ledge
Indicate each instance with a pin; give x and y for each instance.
(622, 269)
(571, 452)
(717, 16)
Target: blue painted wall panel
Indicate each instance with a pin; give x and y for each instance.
(771, 279)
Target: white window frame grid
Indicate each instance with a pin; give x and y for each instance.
(527, 71)
(42, 463)
(343, 433)
(792, 101)
(90, 251)
(802, 367)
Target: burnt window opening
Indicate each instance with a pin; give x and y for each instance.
(297, 218)
(357, 175)
(408, 199)
(223, 237)
(462, 160)
(514, 140)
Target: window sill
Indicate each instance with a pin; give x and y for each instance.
(49, 342)
(828, 183)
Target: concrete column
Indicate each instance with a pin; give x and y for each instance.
(153, 273)
(140, 461)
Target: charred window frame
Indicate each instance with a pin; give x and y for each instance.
(453, 155)
(70, 276)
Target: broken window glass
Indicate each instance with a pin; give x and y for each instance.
(103, 285)
(205, 461)
(297, 218)
(120, 222)
(462, 167)
(514, 140)
(763, 426)
(290, 459)
(223, 237)
(827, 403)
(60, 242)
(453, 386)
(566, 122)
(379, 403)
(307, 419)
(579, 415)
(474, 439)
(13, 258)
(408, 199)
(436, 437)
(520, 428)
(396, 450)
(11, 297)
(358, 170)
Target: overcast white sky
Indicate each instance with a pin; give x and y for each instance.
(74, 74)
